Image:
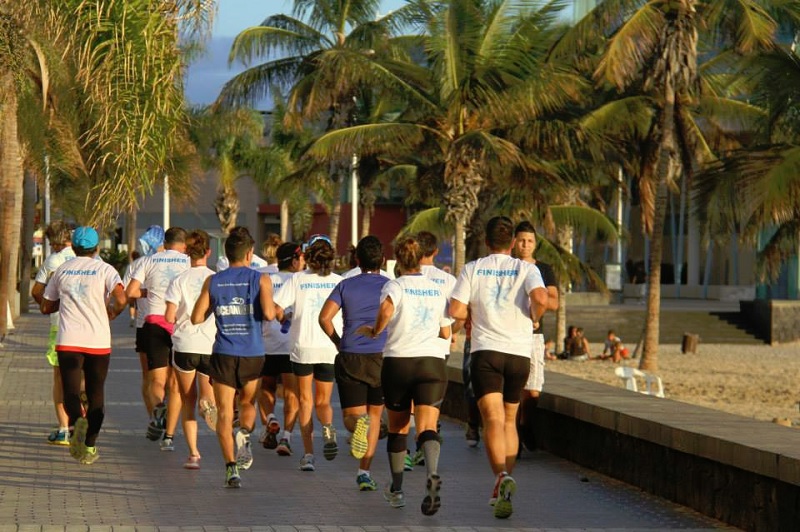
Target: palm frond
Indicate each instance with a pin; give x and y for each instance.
(268, 41)
(431, 220)
(631, 47)
(370, 139)
(585, 219)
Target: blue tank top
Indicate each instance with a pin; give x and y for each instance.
(234, 295)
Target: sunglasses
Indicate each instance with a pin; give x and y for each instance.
(316, 238)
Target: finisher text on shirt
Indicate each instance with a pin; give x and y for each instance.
(160, 260)
(311, 286)
(80, 272)
(422, 292)
(497, 273)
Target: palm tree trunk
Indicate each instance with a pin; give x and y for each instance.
(459, 245)
(336, 213)
(564, 237)
(286, 230)
(367, 210)
(11, 179)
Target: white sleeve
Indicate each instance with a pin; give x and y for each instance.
(51, 290)
(285, 296)
(112, 279)
(533, 279)
(139, 271)
(463, 288)
(173, 294)
(393, 290)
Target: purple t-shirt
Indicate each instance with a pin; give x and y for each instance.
(359, 298)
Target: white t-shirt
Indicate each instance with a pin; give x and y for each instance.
(156, 272)
(419, 307)
(441, 278)
(276, 342)
(141, 303)
(256, 263)
(307, 292)
(497, 289)
(357, 271)
(51, 264)
(183, 291)
(81, 285)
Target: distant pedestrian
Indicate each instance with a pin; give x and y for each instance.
(87, 293)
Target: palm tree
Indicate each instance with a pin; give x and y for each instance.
(321, 65)
(754, 188)
(484, 82)
(663, 66)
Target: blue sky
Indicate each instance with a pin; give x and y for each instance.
(209, 73)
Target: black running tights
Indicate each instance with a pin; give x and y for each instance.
(95, 369)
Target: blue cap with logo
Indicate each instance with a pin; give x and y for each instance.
(152, 239)
(85, 238)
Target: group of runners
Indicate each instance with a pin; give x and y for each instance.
(220, 343)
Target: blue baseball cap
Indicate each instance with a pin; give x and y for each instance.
(85, 238)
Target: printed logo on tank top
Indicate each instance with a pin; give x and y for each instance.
(237, 307)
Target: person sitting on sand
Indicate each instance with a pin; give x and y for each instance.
(614, 349)
(577, 346)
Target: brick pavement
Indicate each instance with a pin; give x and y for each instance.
(135, 487)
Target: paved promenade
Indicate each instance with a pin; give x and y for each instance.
(135, 487)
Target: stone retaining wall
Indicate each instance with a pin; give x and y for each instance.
(740, 471)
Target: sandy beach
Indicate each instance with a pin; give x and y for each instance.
(760, 382)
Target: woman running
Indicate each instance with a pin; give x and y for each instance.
(312, 353)
(413, 311)
(192, 344)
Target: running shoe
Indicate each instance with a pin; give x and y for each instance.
(90, 456)
(330, 448)
(284, 448)
(58, 437)
(396, 499)
(408, 464)
(244, 455)
(359, 444)
(193, 462)
(307, 462)
(167, 444)
(419, 457)
(473, 436)
(365, 482)
(432, 501)
(77, 442)
(505, 490)
(232, 478)
(270, 433)
(154, 432)
(209, 413)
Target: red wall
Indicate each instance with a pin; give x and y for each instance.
(386, 222)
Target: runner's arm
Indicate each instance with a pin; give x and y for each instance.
(171, 313)
(329, 310)
(117, 302)
(381, 320)
(267, 304)
(202, 307)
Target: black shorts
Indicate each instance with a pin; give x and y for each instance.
(157, 344)
(188, 362)
(321, 372)
(494, 372)
(139, 345)
(235, 371)
(421, 379)
(358, 377)
(274, 365)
